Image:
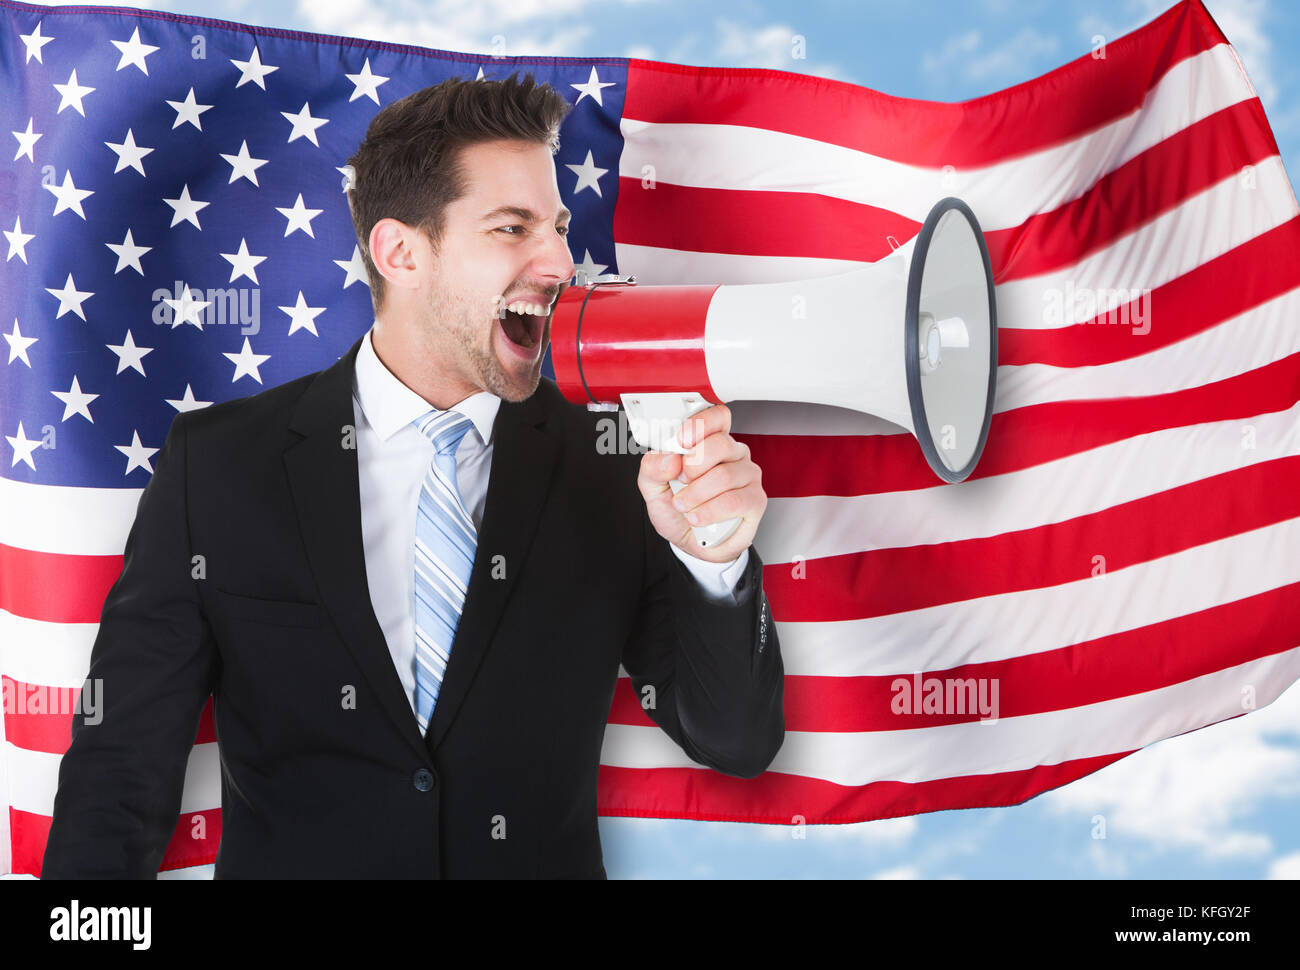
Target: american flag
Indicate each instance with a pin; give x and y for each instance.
(1120, 568)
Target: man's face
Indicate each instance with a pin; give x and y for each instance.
(504, 243)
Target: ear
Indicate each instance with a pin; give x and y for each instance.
(393, 249)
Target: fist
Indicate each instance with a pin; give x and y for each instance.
(721, 483)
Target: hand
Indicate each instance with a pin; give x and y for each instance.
(721, 483)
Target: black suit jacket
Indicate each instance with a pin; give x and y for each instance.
(280, 631)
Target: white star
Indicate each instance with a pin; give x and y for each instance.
(242, 264)
(23, 447)
(128, 254)
(70, 298)
(187, 403)
(188, 110)
(479, 76)
(299, 217)
(187, 309)
(72, 94)
(75, 401)
(18, 240)
(304, 125)
(26, 141)
(129, 355)
(355, 268)
(366, 84)
(301, 316)
(588, 175)
(129, 153)
(589, 265)
(18, 344)
(252, 70)
(133, 52)
(185, 209)
(349, 175)
(246, 363)
(34, 42)
(592, 88)
(244, 165)
(68, 195)
(137, 454)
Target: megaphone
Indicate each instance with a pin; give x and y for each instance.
(911, 341)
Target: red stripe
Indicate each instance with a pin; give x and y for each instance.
(1150, 184)
(30, 832)
(54, 587)
(1260, 270)
(805, 465)
(33, 728)
(1070, 101)
(809, 225)
(1118, 665)
(755, 223)
(780, 799)
(882, 581)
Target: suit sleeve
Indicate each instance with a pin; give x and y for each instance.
(155, 657)
(716, 670)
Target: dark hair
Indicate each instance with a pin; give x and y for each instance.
(408, 166)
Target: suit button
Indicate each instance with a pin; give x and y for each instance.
(422, 779)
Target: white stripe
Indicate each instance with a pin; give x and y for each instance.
(1024, 622)
(985, 747)
(35, 779)
(438, 578)
(817, 526)
(450, 501)
(1202, 227)
(57, 518)
(41, 652)
(737, 157)
(1240, 344)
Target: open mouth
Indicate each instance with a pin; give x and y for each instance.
(524, 330)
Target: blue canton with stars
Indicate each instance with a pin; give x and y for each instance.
(152, 152)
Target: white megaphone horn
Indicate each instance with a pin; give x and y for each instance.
(913, 343)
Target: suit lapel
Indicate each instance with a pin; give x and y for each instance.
(524, 453)
(325, 484)
(327, 494)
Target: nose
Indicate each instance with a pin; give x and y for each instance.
(554, 261)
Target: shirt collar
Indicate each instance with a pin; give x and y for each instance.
(389, 405)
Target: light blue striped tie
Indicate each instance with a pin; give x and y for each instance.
(445, 540)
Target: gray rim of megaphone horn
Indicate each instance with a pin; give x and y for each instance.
(911, 341)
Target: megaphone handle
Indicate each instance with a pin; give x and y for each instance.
(656, 419)
(708, 535)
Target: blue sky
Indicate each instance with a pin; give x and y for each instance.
(1216, 803)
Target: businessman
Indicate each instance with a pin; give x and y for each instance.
(408, 580)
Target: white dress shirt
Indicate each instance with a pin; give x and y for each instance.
(392, 459)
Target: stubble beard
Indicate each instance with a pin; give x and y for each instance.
(473, 335)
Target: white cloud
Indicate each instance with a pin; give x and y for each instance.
(509, 28)
(968, 55)
(1195, 791)
(899, 872)
(773, 46)
(1245, 24)
(1285, 867)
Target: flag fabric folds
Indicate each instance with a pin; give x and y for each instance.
(1120, 568)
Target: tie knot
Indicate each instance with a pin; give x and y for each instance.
(444, 428)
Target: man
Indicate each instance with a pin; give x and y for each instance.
(408, 580)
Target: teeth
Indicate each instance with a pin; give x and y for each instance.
(532, 309)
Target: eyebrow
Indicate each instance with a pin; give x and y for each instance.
(522, 213)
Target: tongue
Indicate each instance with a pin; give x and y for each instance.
(517, 329)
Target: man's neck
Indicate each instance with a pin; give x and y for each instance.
(418, 365)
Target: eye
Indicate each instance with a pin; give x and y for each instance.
(503, 228)
(562, 230)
